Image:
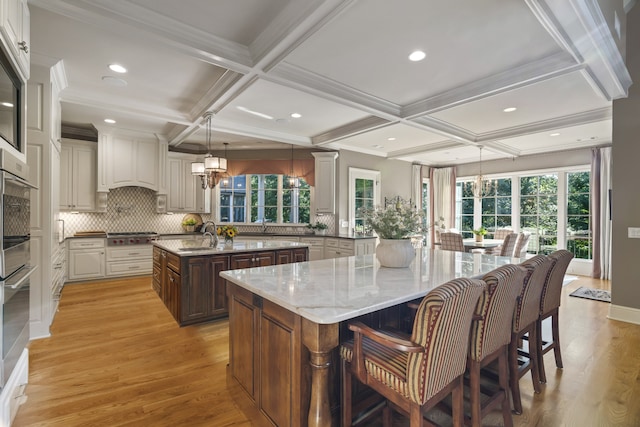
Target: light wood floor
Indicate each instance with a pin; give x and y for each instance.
(117, 358)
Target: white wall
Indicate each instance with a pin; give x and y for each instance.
(395, 179)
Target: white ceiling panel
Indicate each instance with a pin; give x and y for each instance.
(392, 138)
(367, 46)
(561, 96)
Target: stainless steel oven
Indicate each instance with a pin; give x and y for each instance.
(15, 257)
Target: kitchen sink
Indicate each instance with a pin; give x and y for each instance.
(197, 248)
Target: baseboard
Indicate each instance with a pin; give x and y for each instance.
(624, 314)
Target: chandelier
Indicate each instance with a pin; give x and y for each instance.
(213, 168)
(481, 186)
(294, 181)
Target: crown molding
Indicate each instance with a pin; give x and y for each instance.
(350, 129)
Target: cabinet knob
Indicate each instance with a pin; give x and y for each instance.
(23, 46)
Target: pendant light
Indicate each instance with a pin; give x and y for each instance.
(294, 181)
(480, 186)
(211, 169)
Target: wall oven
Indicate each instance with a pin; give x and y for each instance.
(15, 268)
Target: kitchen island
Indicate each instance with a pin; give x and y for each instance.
(295, 315)
(186, 272)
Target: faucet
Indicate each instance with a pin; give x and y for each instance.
(213, 240)
(264, 226)
(213, 237)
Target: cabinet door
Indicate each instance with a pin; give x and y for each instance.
(300, 255)
(172, 294)
(16, 28)
(218, 304)
(84, 178)
(175, 197)
(86, 264)
(66, 178)
(284, 256)
(195, 298)
(241, 261)
(146, 164)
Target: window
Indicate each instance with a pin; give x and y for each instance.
(496, 205)
(578, 229)
(364, 191)
(464, 208)
(426, 220)
(265, 198)
(296, 203)
(233, 199)
(539, 211)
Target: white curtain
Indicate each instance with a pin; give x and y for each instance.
(443, 187)
(601, 167)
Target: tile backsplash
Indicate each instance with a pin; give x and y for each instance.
(133, 209)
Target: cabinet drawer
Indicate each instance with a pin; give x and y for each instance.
(332, 243)
(313, 241)
(129, 268)
(86, 243)
(173, 262)
(132, 252)
(346, 244)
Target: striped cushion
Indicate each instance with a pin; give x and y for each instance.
(384, 364)
(528, 307)
(441, 325)
(553, 288)
(495, 308)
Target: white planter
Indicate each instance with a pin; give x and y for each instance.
(395, 253)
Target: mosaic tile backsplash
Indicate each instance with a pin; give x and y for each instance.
(133, 209)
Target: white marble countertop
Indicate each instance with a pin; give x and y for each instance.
(200, 246)
(333, 290)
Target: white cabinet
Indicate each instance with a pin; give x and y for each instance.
(325, 186)
(184, 192)
(336, 248)
(131, 162)
(365, 246)
(78, 176)
(86, 259)
(129, 260)
(316, 247)
(15, 28)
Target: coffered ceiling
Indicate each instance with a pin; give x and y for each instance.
(343, 66)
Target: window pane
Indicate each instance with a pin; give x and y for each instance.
(579, 239)
(539, 212)
(232, 200)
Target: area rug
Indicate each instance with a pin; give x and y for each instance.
(594, 294)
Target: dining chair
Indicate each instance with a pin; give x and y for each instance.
(520, 250)
(524, 324)
(508, 244)
(415, 374)
(451, 241)
(489, 340)
(501, 233)
(549, 305)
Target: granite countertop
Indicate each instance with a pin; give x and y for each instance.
(333, 290)
(197, 247)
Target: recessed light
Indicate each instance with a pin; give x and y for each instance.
(391, 139)
(114, 81)
(110, 121)
(117, 68)
(417, 55)
(555, 134)
(7, 104)
(509, 109)
(296, 115)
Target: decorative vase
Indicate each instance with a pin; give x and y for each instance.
(320, 232)
(395, 253)
(228, 242)
(479, 238)
(190, 227)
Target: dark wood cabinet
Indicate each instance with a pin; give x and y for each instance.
(191, 286)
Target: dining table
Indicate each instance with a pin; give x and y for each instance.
(470, 244)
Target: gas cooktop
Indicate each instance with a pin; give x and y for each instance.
(131, 238)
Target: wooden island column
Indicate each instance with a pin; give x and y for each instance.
(320, 340)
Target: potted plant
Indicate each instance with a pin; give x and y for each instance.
(189, 224)
(394, 225)
(480, 233)
(318, 228)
